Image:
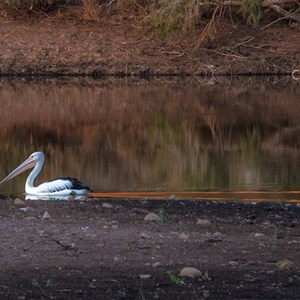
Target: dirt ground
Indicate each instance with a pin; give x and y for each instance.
(124, 47)
(105, 249)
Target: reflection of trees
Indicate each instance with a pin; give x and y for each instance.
(161, 134)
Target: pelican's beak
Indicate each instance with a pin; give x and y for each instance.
(27, 164)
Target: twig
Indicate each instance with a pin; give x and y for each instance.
(244, 42)
(293, 16)
(226, 54)
(210, 25)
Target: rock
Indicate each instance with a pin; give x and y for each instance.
(107, 205)
(18, 201)
(114, 226)
(152, 217)
(233, 263)
(71, 198)
(157, 264)
(23, 209)
(205, 276)
(145, 236)
(203, 222)
(46, 216)
(183, 236)
(216, 237)
(68, 245)
(190, 272)
(145, 276)
(258, 234)
(285, 265)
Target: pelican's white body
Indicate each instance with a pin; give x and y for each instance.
(58, 187)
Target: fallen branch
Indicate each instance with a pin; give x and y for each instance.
(295, 16)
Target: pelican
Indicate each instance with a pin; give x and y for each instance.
(58, 187)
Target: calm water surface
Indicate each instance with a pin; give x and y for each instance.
(175, 135)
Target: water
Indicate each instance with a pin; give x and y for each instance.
(167, 135)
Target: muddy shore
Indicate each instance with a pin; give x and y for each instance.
(54, 47)
(105, 249)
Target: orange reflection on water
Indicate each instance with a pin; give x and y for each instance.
(243, 196)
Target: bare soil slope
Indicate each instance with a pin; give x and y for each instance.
(125, 48)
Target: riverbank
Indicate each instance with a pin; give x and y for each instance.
(124, 47)
(108, 248)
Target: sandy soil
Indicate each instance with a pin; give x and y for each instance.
(105, 249)
(125, 48)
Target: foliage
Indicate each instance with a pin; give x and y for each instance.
(164, 16)
(43, 5)
(205, 294)
(174, 278)
(168, 16)
(251, 11)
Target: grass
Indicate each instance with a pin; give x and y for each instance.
(2, 269)
(175, 279)
(142, 293)
(162, 215)
(275, 238)
(252, 11)
(205, 294)
(165, 17)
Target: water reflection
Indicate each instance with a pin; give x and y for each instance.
(167, 134)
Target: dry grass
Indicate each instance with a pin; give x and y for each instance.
(164, 16)
(90, 10)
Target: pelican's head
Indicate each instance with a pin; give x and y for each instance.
(30, 162)
(37, 156)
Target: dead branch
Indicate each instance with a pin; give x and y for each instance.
(295, 16)
(210, 26)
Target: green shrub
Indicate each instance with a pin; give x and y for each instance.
(251, 11)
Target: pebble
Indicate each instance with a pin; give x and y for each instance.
(18, 201)
(286, 265)
(203, 222)
(190, 272)
(157, 264)
(46, 216)
(145, 276)
(107, 205)
(152, 217)
(183, 236)
(259, 234)
(205, 276)
(23, 209)
(66, 244)
(145, 236)
(233, 263)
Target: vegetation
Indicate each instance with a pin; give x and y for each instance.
(175, 279)
(164, 16)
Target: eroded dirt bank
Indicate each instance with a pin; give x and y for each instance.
(98, 249)
(126, 48)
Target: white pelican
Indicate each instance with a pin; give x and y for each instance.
(58, 187)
